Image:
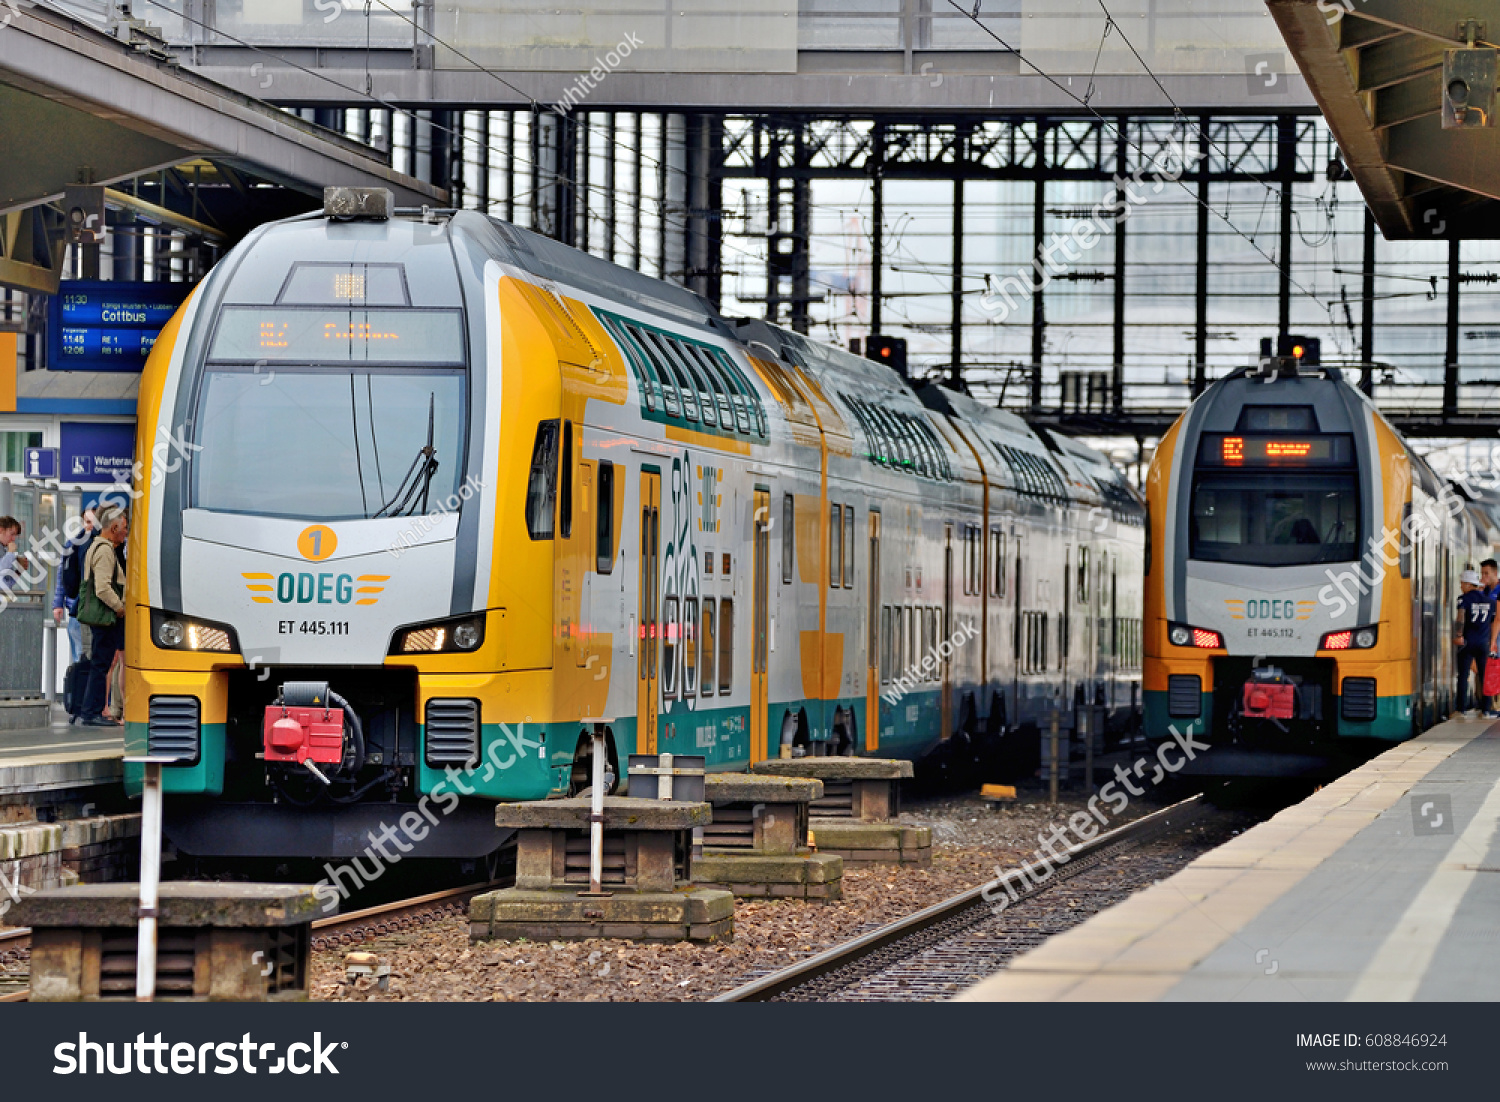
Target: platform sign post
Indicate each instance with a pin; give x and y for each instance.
(151, 814)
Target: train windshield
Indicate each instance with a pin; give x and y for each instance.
(1285, 520)
(325, 444)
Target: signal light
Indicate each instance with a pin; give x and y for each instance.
(1208, 640)
(887, 350)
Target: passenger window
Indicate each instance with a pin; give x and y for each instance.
(670, 634)
(541, 482)
(604, 532)
(726, 644)
(788, 537)
(708, 646)
(887, 658)
(997, 550)
(835, 540)
(689, 646)
(848, 547)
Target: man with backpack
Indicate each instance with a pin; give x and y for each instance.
(101, 607)
(65, 605)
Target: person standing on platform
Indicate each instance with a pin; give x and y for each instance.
(1476, 617)
(12, 561)
(69, 577)
(1489, 580)
(101, 607)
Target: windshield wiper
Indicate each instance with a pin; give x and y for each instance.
(418, 476)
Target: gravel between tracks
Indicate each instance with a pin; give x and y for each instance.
(437, 963)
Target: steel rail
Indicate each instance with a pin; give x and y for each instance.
(1018, 880)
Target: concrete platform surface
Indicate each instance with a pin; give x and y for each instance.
(39, 759)
(1382, 886)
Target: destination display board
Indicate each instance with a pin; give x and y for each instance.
(109, 325)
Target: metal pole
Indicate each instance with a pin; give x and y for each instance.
(596, 817)
(49, 659)
(1052, 783)
(1367, 308)
(145, 965)
(664, 777)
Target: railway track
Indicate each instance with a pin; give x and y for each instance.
(941, 949)
(334, 932)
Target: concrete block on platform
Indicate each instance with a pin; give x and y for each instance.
(182, 903)
(215, 941)
(836, 768)
(687, 914)
(750, 875)
(620, 813)
(873, 843)
(753, 788)
(17, 715)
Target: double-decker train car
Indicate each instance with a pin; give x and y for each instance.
(453, 496)
(1301, 569)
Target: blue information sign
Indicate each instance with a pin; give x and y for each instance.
(109, 325)
(97, 452)
(41, 463)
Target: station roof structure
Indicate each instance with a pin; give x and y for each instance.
(92, 107)
(1375, 68)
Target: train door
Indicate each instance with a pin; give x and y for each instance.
(872, 644)
(760, 617)
(587, 503)
(1017, 603)
(649, 632)
(947, 697)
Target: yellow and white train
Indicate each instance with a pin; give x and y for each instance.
(1301, 570)
(454, 494)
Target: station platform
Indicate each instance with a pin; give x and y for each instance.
(1382, 886)
(59, 756)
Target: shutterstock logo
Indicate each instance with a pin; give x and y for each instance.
(85, 1057)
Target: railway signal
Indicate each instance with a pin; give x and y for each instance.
(890, 351)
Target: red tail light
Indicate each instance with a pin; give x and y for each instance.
(1338, 640)
(1208, 640)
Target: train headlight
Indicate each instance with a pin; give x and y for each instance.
(1185, 635)
(174, 631)
(464, 633)
(1355, 639)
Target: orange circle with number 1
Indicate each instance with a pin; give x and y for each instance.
(317, 543)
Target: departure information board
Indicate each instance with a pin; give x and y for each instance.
(109, 325)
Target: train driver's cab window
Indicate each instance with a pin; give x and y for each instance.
(1284, 519)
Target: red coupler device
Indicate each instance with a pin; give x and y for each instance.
(297, 734)
(1270, 700)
